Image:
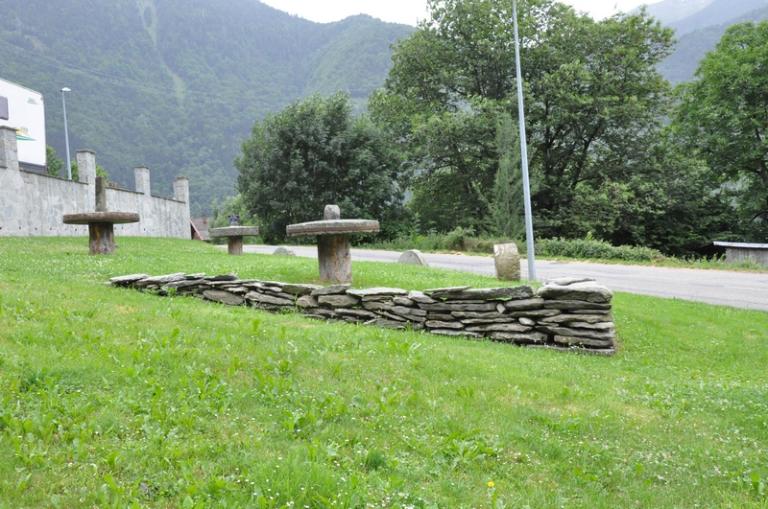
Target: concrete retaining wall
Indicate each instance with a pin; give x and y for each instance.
(32, 204)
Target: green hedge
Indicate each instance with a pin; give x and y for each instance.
(595, 249)
(462, 239)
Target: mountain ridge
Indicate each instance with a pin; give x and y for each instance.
(176, 85)
(690, 48)
(670, 11)
(698, 26)
(717, 12)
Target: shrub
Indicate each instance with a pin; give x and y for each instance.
(595, 249)
(462, 239)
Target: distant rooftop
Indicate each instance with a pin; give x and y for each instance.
(742, 245)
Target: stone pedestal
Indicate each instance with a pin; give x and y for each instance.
(333, 247)
(101, 231)
(101, 237)
(334, 258)
(507, 262)
(235, 246)
(234, 236)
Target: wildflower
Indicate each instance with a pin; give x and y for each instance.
(491, 484)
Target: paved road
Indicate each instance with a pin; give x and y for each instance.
(738, 289)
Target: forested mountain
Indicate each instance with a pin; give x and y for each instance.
(691, 47)
(718, 12)
(670, 11)
(177, 84)
(698, 26)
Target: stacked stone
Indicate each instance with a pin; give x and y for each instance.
(565, 313)
(583, 313)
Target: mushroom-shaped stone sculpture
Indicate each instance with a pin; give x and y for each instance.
(333, 247)
(234, 235)
(101, 231)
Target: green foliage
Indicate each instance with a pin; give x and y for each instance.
(176, 86)
(691, 47)
(587, 248)
(53, 162)
(115, 398)
(229, 207)
(593, 96)
(315, 153)
(722, 118)
(593, 249)
(458, 239)
(507, 206)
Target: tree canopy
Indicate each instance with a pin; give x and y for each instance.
(723, 118)
(315, 153)
(594, 101)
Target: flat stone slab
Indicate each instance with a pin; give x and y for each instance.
(587, 291)
(127, 280)
(101, 217)
(333, 227)
(378, 291)
(234, 231)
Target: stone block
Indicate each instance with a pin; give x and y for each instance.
(506, 259)
(413, 257)
(284, 251)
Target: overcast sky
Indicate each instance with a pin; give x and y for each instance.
(410, 11)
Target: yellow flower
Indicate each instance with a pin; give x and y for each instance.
(491, 484)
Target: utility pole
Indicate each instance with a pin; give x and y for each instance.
(66, 129)
(531, 256)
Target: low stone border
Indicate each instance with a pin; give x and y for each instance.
(565, 313)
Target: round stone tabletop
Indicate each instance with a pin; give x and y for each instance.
(234, 231)
(333, 227)
(101, 217)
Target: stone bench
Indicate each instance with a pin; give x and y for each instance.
(333, 245)
(101, 223)
(234, 236)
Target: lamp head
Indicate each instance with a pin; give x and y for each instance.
(66, 89)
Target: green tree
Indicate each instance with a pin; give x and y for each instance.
(314, 153)
(593, 98)
(231, 206)
(723, 118)
(507, 205)
(53, 162)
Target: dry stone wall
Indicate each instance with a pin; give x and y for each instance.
(568, 313)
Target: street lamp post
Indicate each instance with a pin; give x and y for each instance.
(531, 256)
(66, 130)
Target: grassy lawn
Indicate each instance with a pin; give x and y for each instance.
(116, 398)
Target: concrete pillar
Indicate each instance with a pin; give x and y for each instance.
(181, 189)
(181, 193)
(141, 177)
(86, 166)
(9, 150)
